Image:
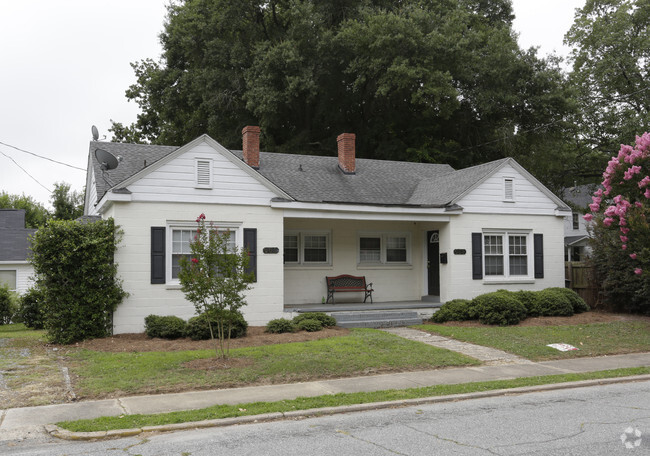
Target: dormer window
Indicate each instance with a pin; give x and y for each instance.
(509, 189)
(203, 173)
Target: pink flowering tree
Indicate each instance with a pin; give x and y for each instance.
(621, 210)
(214, 279)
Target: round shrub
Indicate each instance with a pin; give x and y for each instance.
(325, 320)
(8, 305)
(31, 308)
(455, 310)
(530, 300)
(499, 308)
(198, 329)
(168, 327)
(554, 303)
(579, 305)
(280, 325)
(310, 325)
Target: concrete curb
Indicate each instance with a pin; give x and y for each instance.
(60, 433)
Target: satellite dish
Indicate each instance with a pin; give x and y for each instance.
(95, 133)
(106, 159)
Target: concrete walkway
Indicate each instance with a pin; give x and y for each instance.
(489, 356)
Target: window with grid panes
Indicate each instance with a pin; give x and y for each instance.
(518, 255)
(314, 248)
(369, 249)
(181, 238)
(493, 254)
(396, 249)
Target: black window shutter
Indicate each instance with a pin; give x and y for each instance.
(158, 254)
(250, 243)
(477, 256)
(538, 243)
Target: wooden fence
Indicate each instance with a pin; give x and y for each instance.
(579, 277)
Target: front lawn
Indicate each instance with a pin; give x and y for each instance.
(362, 352)
(530, 341)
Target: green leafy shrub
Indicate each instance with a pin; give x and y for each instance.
(167, 327)
(8, 305)
(310, 325)
(74, 266)
(554, 303)
(455, 310)
(530, 300)
(325, 320)
(31, 308)
(198, 328)
(499, 308)
(579, 305)
(280, 325)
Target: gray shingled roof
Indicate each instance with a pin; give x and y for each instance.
(14, 237)
(570, 240)
(310, 178)
(134, 157)
(579, 196)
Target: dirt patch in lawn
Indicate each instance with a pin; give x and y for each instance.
(577, 319)
(255, 337)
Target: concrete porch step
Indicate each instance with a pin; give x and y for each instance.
(376, 319)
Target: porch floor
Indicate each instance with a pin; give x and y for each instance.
(360, 306)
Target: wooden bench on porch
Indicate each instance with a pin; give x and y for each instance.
(345, 282)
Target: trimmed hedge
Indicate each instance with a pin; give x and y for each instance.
(579, 305)
(531, 301)
(280, 325)
(198, 328)
(554, 303)
(499, 308)
(455, 310)
(167, 327)
(310, 325)
(324, 319)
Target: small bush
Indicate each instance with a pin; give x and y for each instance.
(197, 327)
(325, 320)
(499, 308)
(280, 325)
(554, 303)
(579, 305)
(8, 305)
(168, 327)
(310, 325)
(31, 308)
(530, 300)
(455, 310)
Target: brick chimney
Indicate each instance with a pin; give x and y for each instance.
(251, 146)
(345, 143)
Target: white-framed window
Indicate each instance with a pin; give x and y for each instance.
(384, 248)
(507, 254)
(575, 220)
(203, 172)
(179, 238)
(8, 277)
(509, 189)
(307, 248)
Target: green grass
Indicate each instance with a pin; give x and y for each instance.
(304, 403)
(19, 331)
(363, 351)
(530, 342)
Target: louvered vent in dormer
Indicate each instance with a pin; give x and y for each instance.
(203, 173)
(509, 189)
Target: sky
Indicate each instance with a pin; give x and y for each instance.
(66, 64)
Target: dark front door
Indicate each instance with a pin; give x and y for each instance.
(433, 262)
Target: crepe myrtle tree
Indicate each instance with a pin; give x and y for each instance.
(621, 210)
(214, 279)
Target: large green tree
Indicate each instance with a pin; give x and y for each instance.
(611, 67)
(35, 213)
(68, 204)
(419, 80)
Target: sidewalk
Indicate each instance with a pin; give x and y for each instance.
(20, 423)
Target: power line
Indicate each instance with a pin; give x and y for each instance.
(25, 171)
(510, 137)
(40, 156)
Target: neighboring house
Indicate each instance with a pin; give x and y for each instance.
(576, 233)
(15, 270)
(417, 231)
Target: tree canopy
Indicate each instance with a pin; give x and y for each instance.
(35, 213)
(417, 80)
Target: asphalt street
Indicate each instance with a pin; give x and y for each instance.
(592, 421)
